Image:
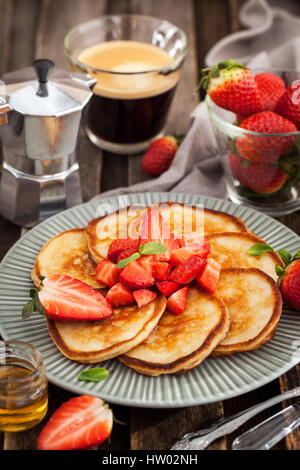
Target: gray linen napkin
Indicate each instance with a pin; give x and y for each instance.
(272, 39)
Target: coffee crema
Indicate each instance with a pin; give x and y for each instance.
(132, 96)
(126, 60)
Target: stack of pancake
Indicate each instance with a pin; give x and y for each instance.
(242, 314)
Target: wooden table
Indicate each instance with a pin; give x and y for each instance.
(32, 29)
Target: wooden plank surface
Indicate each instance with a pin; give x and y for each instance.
(44, 23)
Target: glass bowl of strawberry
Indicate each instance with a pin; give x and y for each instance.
(256, 119)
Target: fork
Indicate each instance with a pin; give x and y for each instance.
(201, 439)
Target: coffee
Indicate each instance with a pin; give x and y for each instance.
(131, 99)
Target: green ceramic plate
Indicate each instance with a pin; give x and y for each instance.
(214, 380)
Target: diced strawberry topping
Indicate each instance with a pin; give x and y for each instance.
(162, 270)
(117, 246)
(143, 296)
(198, 244)
(188, 270)
(68, 299)
(134, 276)
(147, 263)
(179, 256)
(209, 277)
(107, 273)
(154, 228)
(126, 253)
(80, 423)
(167, 287)
(176, 302)
(119, 296)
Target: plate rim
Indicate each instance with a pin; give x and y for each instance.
(154, 403)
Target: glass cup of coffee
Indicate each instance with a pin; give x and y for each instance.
(137, 62)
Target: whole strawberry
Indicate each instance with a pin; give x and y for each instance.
(289, 283)
(262, 148)
(160, 154)
(232, 86)
(262, 178)
(271, 88)
(289, 103)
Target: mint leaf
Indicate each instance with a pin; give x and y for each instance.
(28, 310)
(94, 375)
(152, 248)
(285, 256)
(259, 249)
(125, 261)
(296, 256)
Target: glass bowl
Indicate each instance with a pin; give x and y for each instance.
(271, 181)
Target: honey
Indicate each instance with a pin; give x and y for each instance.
(23, 387)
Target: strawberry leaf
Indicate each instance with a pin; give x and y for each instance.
(259, 249)
(296, 256)
(97, 374)
(152, 248)
(285, 256)
(34, 305)
(125, 261)
(279, 271)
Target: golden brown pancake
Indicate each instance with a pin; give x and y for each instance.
(254, 303)
(181, 342)
(91, 342)
(181, 219)
(67, 253)
(230, 250)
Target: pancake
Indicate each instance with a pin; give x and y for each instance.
(181, 218)
(181, 342)
(254, 303)
(67, 253)
(230, 250)
(91, 342)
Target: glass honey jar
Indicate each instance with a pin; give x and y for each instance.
(23, 386)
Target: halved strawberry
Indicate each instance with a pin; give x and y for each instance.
(79, 423)
(162, 270)
(209, 277)
(68, 299)
(167, 287)
(134, 276)
(117, 246)
(188, 270)
(107, 273)
(119, 296)
(177, 302)
(143, 296)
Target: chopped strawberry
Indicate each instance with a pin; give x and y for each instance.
(154, 228)
(134, 276)
(162, 270)
(167, 287)
(107, 273)
(126, 253)
(147, 262)
(117, 246)
(143, 296)
(182, 254)
(177, 302)
(188, 270)
(82, 422)
(199, 244)
(209, 277)
(119, 296)
(68, 299)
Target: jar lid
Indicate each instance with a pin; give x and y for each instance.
(43, 90)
